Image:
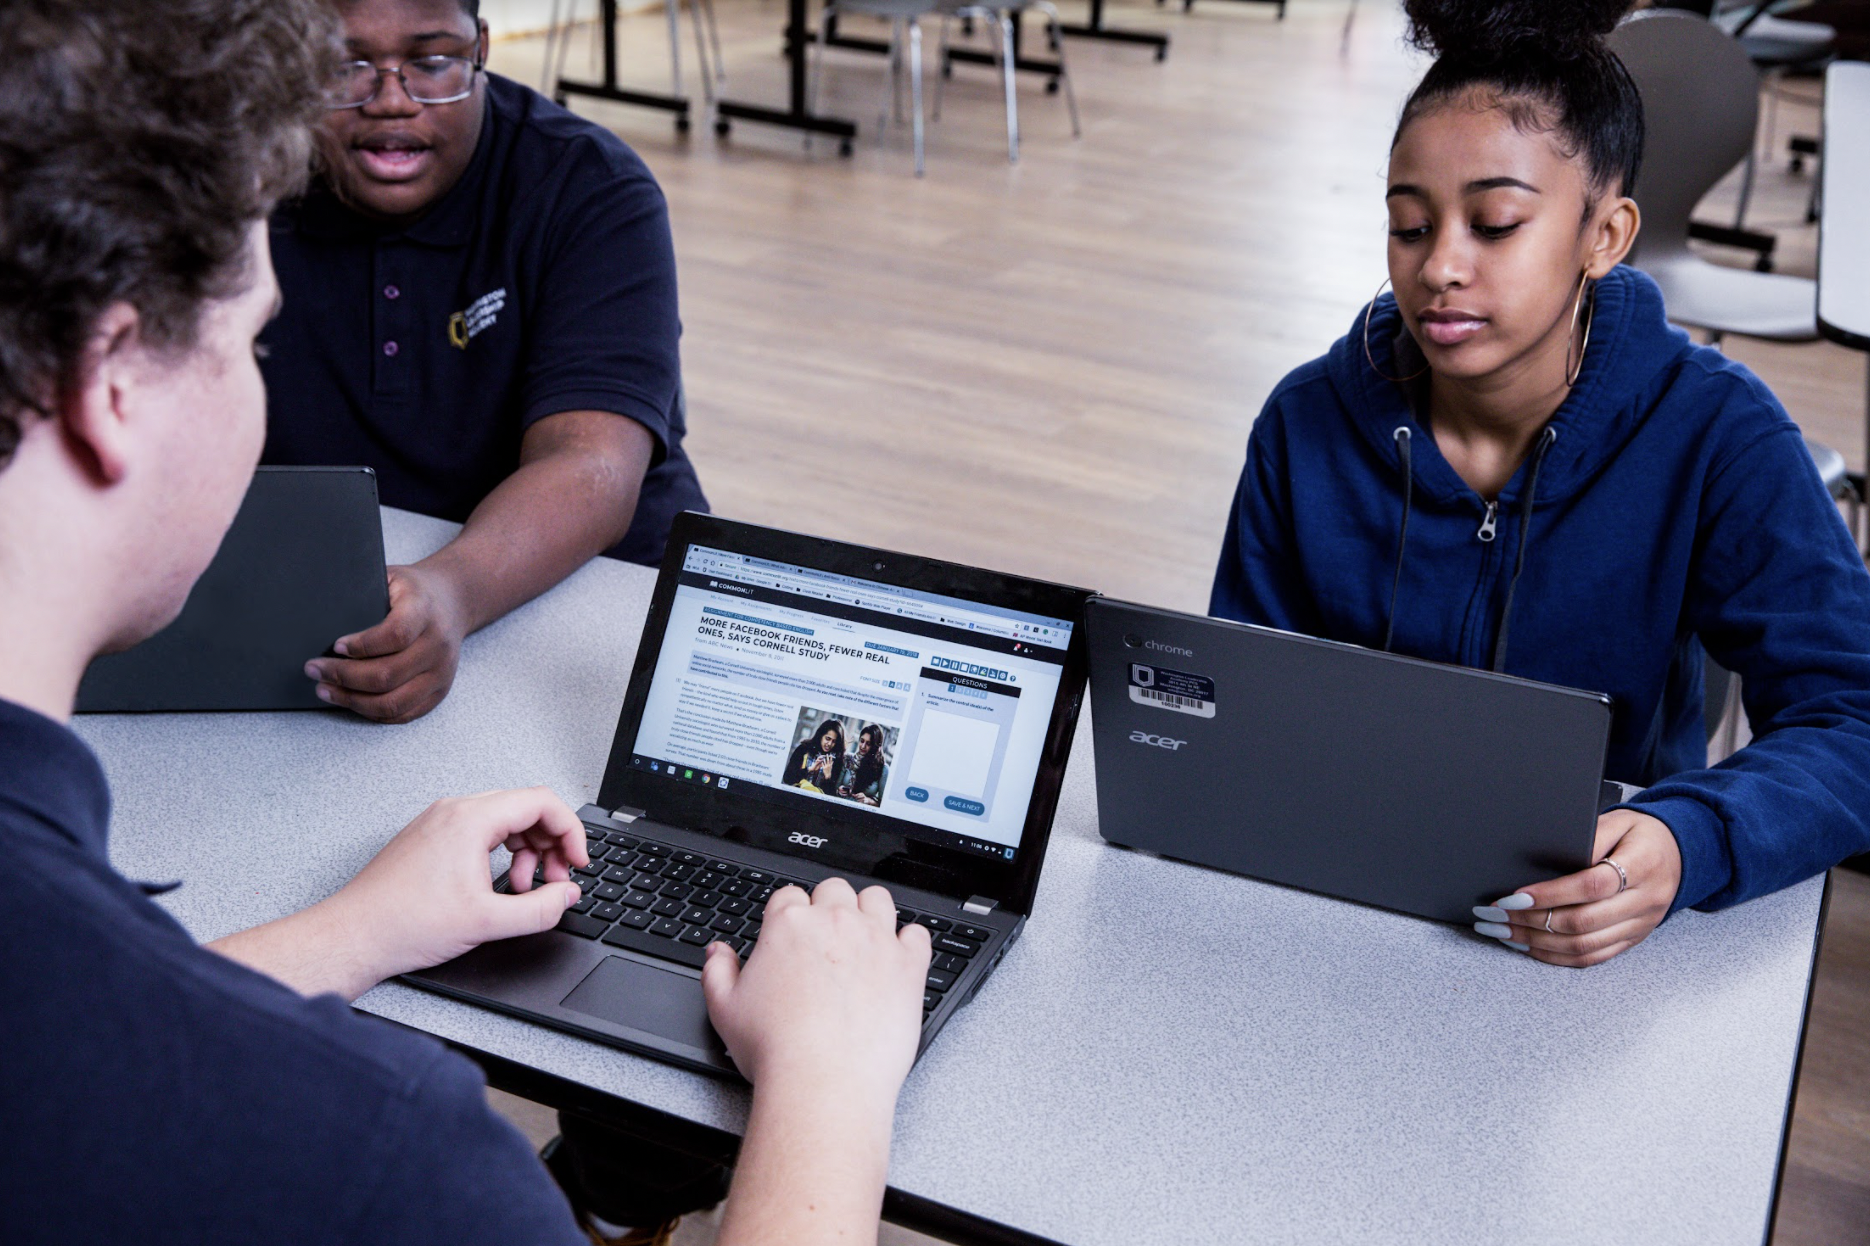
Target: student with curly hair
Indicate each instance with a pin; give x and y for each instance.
(152, 1090)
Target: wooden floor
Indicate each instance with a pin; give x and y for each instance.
(1051, 368)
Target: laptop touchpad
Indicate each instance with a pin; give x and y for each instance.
(646, 997)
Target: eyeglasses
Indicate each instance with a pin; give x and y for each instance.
(425, 79)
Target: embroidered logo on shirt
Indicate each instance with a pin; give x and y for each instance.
(480, 314)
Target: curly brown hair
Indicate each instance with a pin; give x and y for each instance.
(138, 144)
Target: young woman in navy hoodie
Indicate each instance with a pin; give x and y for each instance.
(1514, 462)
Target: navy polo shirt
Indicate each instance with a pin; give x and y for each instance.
(153, 1091)
(543, 281)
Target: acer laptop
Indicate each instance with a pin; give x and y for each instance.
(802, 708)
(301, 565)
(1410, 785)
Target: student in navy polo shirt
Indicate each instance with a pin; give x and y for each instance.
(480, 304)
(155, 1091)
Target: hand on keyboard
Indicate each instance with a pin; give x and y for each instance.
(427, 896)
(830, 996)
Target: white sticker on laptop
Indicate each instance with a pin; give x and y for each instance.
(1172, 690)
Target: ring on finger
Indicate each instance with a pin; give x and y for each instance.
(1548, 921)
(1623, 880)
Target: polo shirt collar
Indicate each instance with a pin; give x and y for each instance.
(50, 775)
(449, 223)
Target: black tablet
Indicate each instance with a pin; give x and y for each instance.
(301, 566)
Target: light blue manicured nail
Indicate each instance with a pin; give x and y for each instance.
(1488, 913)
(1517, 947)
(1518, 900)
(1493, 930)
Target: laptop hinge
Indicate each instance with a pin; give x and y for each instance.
(627, 815)
(980, 905)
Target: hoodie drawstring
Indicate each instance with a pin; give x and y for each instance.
(1402, 438)
(1546, 440)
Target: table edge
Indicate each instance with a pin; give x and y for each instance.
(1798, 1063)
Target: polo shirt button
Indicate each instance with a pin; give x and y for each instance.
(390, 349)
(391, 292)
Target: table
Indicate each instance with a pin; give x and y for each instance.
(1844, 227)
(1168, 1054)
(609, 89)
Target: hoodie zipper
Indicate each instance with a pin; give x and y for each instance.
(1487, 523)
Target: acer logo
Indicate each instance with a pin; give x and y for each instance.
(806, 841)
(1158, 645)
(1156, 741)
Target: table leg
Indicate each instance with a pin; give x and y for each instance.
(796, 115)
(1095, 29)
(608, 88)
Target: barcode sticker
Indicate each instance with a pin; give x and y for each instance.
(1172, 690)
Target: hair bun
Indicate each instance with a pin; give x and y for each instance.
(1493, 30)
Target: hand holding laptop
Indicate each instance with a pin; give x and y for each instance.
(400, 669)
(823, 1020)
(1586, 918)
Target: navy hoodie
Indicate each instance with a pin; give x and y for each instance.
(1669, 505)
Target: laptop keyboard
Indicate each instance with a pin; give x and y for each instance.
(670, 903)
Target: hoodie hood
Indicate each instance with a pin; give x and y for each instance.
(1633, 350)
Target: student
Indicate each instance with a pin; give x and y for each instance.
(156, 1091)
(480, 304)
(1515, 463)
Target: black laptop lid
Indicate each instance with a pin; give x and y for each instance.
(301, 566)
(896, 716)
(1388, 780)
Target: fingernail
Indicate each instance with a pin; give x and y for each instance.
(324, 693)
(1517, 947)
(1518, 900)
(573, 896)
(1493, 930)
(342, 648)
(312, 671)
(1489, 913)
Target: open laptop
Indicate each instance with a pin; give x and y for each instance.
(301, 565)
(802, 709)
(1412, 785)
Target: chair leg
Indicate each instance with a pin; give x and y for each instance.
(564, 41)
(816, 74)
(1003, 57)
(714, 38)
(889, 80)
(551, 45)
(941, 68)
(915, 86)
(1057, 36)
(701, 54)
(675, 49)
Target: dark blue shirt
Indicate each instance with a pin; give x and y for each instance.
(152, 1091)
(1676, 512)
(542, 282)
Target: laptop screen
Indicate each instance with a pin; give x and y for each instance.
(795, 684)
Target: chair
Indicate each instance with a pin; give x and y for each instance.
(558, 43)
(905, 18)
(1701, 106)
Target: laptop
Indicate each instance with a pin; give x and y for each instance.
(1410, 785)
(799, 709)
(301, 565)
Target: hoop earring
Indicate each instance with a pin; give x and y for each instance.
(1370, 358)
(1571, 372)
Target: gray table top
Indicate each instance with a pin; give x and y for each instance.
(1844, 228)
(1168, 1055)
